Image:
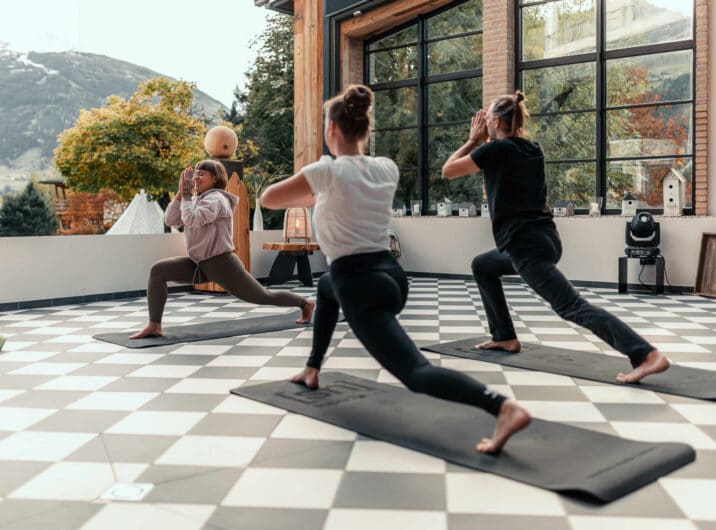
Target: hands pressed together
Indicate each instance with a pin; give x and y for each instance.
(186, 182)
(478, 127)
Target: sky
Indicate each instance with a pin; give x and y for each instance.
(206, 42)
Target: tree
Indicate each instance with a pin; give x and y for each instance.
(265, 110)
(139, 143)
(27, 214)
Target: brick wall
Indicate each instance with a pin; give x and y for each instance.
(498, 56)
(701, 131)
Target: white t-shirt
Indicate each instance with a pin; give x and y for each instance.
(354, 199)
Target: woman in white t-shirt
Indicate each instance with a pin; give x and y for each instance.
(353, 196)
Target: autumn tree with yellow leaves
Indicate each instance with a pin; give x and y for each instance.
(140, 143)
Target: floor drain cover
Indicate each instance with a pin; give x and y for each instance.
(127, 491)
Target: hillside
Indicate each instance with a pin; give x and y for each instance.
(41, 95)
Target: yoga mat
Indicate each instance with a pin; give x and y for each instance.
(678, 380)
(550, 455)
(210, 330)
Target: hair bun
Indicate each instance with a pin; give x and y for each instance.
(358, 99)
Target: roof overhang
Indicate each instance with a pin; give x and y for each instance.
(282, 6)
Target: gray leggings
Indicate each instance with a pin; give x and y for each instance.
(224, 269)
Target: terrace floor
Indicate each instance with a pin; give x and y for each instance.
(78, 416)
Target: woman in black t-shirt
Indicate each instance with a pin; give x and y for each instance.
(527, 240)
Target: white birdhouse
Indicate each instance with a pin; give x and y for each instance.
(467, 209)
(445, 208)
(673, 187)
(563, 209)
(485, 211)
(629, 205)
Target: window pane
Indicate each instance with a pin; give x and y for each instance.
(400, 146)
(454, 55)
(558, 29)
(408, 189)
(640, 22)
(444, 141)
(565, 136)
(557, 88)
(466, 189)
(646, 131)
(454, 100)
(571, 182)
(406, 36)
(650, 78)
(642, 178)
(393, 65)
(464, 18)
(395, 108)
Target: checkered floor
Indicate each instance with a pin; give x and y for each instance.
(78, 417)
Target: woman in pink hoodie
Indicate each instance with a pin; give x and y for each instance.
(207, 217)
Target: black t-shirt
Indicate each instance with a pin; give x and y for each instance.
(515, 185)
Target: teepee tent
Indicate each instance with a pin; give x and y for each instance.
(142, 216)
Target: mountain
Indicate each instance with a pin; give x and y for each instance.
(41, 95)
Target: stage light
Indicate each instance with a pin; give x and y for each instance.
(643, 235)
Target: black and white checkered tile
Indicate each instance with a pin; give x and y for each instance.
(78, 417)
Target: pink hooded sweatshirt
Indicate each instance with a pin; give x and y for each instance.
(208, 222)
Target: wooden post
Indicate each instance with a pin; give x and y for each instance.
(308, 82)
(241, 236)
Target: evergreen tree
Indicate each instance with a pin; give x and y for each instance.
(27, 214)
(265, 112)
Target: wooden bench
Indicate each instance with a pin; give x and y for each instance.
(291, 256)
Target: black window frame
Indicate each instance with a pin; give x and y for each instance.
(600, 57)
(421, 82)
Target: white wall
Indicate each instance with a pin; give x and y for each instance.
(591, 246)
(38, 268)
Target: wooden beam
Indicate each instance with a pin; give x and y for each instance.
(308, 82)
(388, 16)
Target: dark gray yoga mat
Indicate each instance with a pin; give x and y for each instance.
(211, 330)
(678, 380)
(550, 455)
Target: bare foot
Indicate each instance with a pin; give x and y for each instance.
(512, 345)
(513, 417)
(153, 329)
(307, 312)
(654, 363)
(308, 376)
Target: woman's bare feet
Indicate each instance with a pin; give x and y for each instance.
(512, 345)
(153, 329)
(513, 417)
(307, 312)
(308, 376)
(654, 363)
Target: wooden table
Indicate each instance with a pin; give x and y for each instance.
(291, 256)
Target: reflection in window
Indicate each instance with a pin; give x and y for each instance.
(638, 23)
(650, 78)
(643, 125)
(643, 179)
(558, 29)
(446, 78)
(573, 181)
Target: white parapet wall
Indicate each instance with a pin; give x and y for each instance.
(591, 246)
(56, 267)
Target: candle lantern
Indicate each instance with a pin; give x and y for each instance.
(297, 224)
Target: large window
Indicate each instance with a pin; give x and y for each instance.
(427, 78)
(610, 88)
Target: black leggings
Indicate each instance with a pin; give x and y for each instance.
(372, 289)
(534, 259)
